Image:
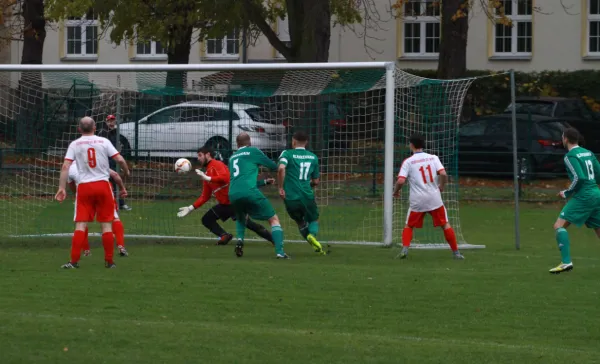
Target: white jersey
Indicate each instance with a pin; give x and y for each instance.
(421, 170)
(73, 174)
(91, 154)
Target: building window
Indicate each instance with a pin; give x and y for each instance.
(226, 47)
(150, 49)
(514, 39)
(421, 28)
(283, 32)
(82, 36)
(593, 15)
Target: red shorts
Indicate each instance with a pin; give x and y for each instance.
(415, 219)
(94, 200)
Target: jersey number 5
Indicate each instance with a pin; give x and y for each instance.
(91, 154)
(304, 168)
(590, 170)
(422, 170)
(236, 169)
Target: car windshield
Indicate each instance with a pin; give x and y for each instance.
(543, 108)
(262, 115)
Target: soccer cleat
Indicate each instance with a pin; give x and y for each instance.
(315, 243)
(87, 253)
(403, 253)
(126, 208)
(108, 264)
(457, 255)
(122, 251)
(70, 265)
(239, 249)
(225, 239)
(562, 267)
(283, 256)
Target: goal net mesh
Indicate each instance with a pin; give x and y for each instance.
(343, 111)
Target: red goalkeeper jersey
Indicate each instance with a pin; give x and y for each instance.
(218, 185)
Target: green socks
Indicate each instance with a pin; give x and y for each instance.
(240, 229)
(313, 228)
(562, 239)
(277, 233)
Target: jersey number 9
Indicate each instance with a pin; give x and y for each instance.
(91, 154)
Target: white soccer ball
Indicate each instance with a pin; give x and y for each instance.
(183, 165)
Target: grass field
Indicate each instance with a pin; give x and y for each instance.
(187, 302)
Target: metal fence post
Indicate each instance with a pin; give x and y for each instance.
(515, 158)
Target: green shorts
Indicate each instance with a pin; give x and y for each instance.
(302, 210)
(579, 212)
(256, 205)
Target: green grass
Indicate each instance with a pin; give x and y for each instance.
(186, 302)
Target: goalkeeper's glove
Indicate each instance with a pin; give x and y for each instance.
(202, 175)
(183, 211)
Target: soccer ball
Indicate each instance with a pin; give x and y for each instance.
(183, 165)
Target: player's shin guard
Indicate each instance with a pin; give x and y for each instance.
(303, 231)
(313, 228)
(109, 248)
(119, 230)
(451, 238)
(277, 233)
(564, 245)
(76, 244)
(259, 230)
(407, 235)
(86, 242)
(240, 229)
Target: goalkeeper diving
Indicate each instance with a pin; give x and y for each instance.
(297, 174)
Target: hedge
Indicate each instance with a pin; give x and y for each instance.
(489, 95)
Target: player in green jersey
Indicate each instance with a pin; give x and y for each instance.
(245, 197)
(583, 205)
(298, 173)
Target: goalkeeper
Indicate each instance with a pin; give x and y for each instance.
(297, 174)
(216, 182)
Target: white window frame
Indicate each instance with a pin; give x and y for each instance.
(153, 54)
(422, 20)
(82, 23)
(514, 35)
(591, 18)
(223, 54)
(283, 32)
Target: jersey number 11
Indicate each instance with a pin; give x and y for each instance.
(422, 170)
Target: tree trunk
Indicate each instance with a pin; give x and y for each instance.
(179, 53)
(453, 44)
(309, 24)
(30, 114)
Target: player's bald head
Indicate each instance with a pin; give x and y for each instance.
(87, 125)
(243, 140)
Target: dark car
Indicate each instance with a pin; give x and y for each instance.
(573, 111)
(486, 147)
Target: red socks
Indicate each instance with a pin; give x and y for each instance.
(109, 248)
(86, 242)
(407, 235)
(451, 238)
(117, 227)
(76, 243)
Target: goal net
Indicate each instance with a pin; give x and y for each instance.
(164, 115)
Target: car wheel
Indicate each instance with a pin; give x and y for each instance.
(221, 147)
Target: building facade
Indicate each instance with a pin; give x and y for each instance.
(546, 35)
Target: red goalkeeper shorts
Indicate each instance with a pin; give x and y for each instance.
(415, 219)
(94, 200)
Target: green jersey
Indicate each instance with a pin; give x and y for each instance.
(583, 170)
(243, 166)
(300, 167)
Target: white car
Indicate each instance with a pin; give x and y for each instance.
(177, 131)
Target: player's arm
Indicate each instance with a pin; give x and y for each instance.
(574, 167)
(281, 174)
(204, 197)
(219, 173)
(265, 161)
(315, 175)
(402, 176)
(596, 166)
(119, 182)
(264, 182)
(61, 194)
(441, 172)
(114, 154)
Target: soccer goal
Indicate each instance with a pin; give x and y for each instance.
(358, 115)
